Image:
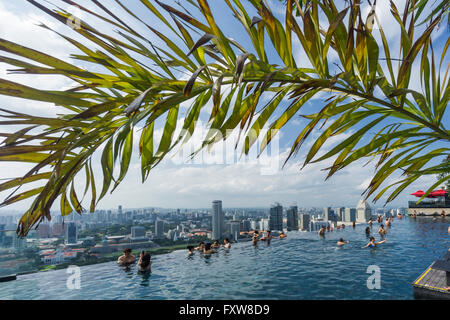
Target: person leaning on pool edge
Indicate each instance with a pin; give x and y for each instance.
(145, 262)
(126, 258)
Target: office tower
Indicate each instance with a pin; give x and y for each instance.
(217, 220)
(304, 222)
(235, 228)
(339, 214)
(44, 230)
(292, 218)
(71, 233)
(245, 225)
(276, 217)
(57, 229)
(350, 215)
(328, 214)
(137, 232)
(363, 211)
(18, 243)
(254, 225)
(159, 229)
(264, 225)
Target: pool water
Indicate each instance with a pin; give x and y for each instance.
(302, 266)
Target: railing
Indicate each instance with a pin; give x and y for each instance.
(438, 204)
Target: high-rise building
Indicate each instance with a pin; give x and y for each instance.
(217, 220)
(339, 214)
(264, 224)
(304, 222)
(328, 214)
(276, 217)
(235, 228)
(245, 225)
(57, 229)
(44, 230)
(292, 218)
(71, 233)
(159, 229)
(18, 243)
(137, 232)
(363, 211)
(350, 215)
(2, 234)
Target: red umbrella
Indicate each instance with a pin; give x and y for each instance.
(438, 193)
(418, 193)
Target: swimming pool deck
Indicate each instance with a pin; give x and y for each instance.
(432, 283)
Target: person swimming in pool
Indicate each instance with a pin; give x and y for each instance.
(191, 250)
(208, 249)
(322, 231)
(367, 231)
(282, 235)
(382, 230)
(373, 244)
(267, 237)
(226, 243)
(145, 262)
(255, 237)
(200, 247)
(341, 242)
(215, 244)
(126, 258)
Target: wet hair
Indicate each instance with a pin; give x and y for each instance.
(216, 241)
(201, 242)
(382, 226)
(207, 246)
(227, 240)
(256, 232)
(145, 261)
(127, 250)
(341, 240)
(190, 248)
(372, 238)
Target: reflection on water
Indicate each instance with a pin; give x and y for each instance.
(302, 266)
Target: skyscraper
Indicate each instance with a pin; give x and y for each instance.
(71, 233)
(2, 234)
(235, 226)
(276, 217)
(292, 218)
(159, 229)
(304, 222)
(328, 214)
(217, 220)
(137, 232)
(339, 214)
(363, 211)
(349, 215)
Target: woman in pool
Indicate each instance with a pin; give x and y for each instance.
(382, 230)
(145, 262)
(373, 244)
(226, 243)
(368, 231)
(341, 242)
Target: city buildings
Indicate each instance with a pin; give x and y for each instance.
(235, 226)
(304, 222)
(363, 211)
(349, 215)
(159, 229)
(276, 217)
(71, 233)
(292, 218)
(217, 220)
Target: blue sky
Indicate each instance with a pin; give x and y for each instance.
(178, 184)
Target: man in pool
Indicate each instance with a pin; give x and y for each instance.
(268, 236)
(322, 231)
(255, 237)
(191, 250)
(372, 243)
(215, 244)
(200, 246)
(282, 235)
(341, 242)
(126, 258)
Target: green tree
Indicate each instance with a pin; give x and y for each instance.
(368, 89)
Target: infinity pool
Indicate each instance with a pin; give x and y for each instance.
(302, 266)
